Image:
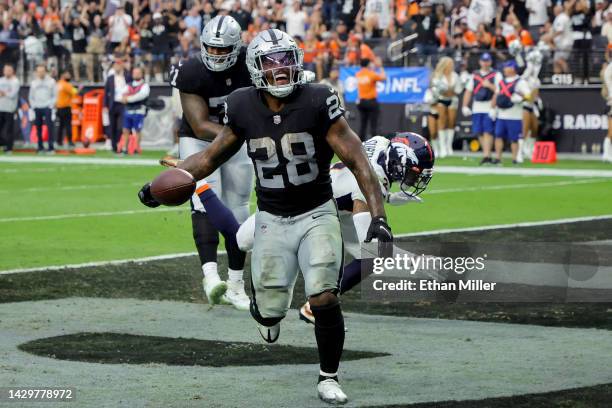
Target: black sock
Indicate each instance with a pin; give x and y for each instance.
(329, 331)
(205, 236)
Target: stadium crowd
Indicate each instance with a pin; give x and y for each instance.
(82, 35)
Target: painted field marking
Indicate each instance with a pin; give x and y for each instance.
(68, 188)
(504, 171)
(413, 234)
(80, 160)
(506, 226)
(514, 186)
(93, 214)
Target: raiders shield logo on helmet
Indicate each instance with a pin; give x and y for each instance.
(276, 119)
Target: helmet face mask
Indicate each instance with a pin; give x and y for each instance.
(410, 163)
(220, 43)
(275, 64)
(415, 181)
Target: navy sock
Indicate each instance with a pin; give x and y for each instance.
(224, 221)
(355, 272)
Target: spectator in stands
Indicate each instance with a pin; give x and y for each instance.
(296, 20)
(119, 25)
(349, 10)
(77, 27)
(606, 29)
(424, 25)
(581, 26)
(484, 37)
(242, 14)
(65, 92)
(193, 19)
(114, 108)
(367, 103)
(598, 19)
(9, 98)
(538, 16)
(96, 43)
(162, 44)
(562, 37)
(42, 97)
(54, 31)
(378, 18)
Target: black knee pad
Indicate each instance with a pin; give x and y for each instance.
(264, 321)
(329, 315)
(205, 236)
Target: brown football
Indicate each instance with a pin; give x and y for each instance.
(173, 187)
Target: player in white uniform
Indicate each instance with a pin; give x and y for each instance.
(447, 86)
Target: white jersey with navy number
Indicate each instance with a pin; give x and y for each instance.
(344, 184)
(518, 86)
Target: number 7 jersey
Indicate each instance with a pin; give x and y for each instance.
(288, 148)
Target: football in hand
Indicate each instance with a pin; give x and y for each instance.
(173, 187)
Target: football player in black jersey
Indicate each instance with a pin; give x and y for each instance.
(204, 83)
(292, 131)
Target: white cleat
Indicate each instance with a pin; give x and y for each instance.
(330, 392)
(214, 288)
(269, 334)
(236, 296)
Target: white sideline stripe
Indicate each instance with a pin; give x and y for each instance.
(439, 169)
(523, 171)
(513, 186)
(101, 263)
(506, 226)
(63, 188)
(413, 234)
(80, 160)
(94, 214)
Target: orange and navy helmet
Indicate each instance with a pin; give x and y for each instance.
(410, 162)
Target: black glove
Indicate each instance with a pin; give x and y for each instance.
(380, 230)
(145, 196)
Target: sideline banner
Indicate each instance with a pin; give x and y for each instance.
(403, 85)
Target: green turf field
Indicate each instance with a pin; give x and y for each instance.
(65, 213)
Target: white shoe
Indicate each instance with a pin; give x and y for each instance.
(269, 334)
(214, 288)
(236, 296)
(330, 392)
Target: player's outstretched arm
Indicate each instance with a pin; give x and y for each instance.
(202, 164)
(348, 147)
(196, 113)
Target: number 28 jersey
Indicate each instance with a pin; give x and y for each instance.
(288, 148)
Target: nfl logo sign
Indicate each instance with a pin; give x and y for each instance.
(228, 81)
(277, 119)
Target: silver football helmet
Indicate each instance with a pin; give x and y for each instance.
(275, 63)
(221, 32)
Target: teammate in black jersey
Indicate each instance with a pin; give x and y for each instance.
(292, 131)
(204, 83)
